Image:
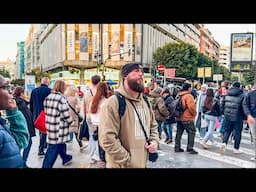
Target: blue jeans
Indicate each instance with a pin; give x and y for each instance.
(42, 143)
(167, 128)
(211, 120)
(52, 153)
(236, 128)
(222, 126)
(26, 150)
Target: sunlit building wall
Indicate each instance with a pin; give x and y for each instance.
(224, 56)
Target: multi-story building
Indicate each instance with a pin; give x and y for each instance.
(20, 59)
(224, 58)
(208, 45)
(31, 48)
(9, 66)
(104, 48)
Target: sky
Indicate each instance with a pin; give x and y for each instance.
(10, 34)
(222, 32)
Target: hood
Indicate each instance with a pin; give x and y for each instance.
(183, 92)
(123, 91)
(234, 91)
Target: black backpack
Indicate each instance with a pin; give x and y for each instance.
(175, 108)
(122, 103)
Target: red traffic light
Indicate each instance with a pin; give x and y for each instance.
(161, 68)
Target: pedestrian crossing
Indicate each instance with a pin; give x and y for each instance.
(213, 153)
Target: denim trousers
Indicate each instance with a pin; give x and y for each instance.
(52, 153)
(26, 150)
(42, 143)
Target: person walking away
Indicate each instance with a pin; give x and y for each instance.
(92, 144)
(58, 120)
(186, 120)
(96, 105)
(232, 108)
(122, 138)
(37, 98)
(19, 95)
(159, 108)
(170, 121)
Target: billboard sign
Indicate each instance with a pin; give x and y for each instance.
(241, 51)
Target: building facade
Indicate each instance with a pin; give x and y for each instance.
(224, 58)
(20, 59)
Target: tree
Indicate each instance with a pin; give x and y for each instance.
(181, 56)
(39, 75)
(248, 78)
(5, 73)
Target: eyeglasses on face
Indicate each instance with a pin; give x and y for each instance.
(5, 87)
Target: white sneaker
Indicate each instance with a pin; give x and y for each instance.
(205, 146)
(236, 151)
(222, 148)
(253, 159)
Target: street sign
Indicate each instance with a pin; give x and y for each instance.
(170, 72)
(161, 68)
(217, 77)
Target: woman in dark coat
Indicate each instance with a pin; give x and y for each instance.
(23, 107)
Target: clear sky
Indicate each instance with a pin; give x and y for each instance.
(222, 32)
(10, 34)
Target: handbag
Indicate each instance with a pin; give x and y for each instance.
(40, 122)
(83, 131)
(80, 118)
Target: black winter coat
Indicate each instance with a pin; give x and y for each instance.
(232, 105)
(23, 107)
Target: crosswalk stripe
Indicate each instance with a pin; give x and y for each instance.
(222, 158)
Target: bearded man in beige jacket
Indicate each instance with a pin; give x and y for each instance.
(122, 138)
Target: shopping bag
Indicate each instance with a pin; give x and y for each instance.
(83, 131)
(40, 122)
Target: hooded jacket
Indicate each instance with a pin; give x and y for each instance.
(123, 140)
(188, 104)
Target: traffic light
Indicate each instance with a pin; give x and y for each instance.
(157, 73)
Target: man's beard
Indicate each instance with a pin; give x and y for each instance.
(135, 86)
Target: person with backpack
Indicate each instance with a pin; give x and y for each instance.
(128, 129)
(170, 121)
(186, 120)
(159, 108)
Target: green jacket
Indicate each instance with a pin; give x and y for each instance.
(18, 127)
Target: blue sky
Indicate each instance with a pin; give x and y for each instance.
(10, 34)
(222, 32)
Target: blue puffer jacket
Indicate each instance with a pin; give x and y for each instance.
(9, 151)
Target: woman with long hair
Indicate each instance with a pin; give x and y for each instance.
(211, 110)
(96, 152)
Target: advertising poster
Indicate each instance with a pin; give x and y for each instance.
(71, 42)
(138, 42)
(83, 39)
(30, 84)
(115, 42)
(128, 42)
(105, 42)
(241, 44)
(95, 42)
